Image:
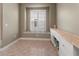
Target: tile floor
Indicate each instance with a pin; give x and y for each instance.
(30, 48)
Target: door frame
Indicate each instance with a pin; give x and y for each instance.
(28, 17)
(1, 24)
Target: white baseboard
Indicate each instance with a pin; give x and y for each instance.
(34, 38)
(10, 44)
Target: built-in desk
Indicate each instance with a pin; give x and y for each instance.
(68, 42)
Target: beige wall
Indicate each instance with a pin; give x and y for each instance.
(68, 17)
(0, 21)
(52, 14)
(10, 22)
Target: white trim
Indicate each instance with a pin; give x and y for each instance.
(34, 39)
(10, 44)
(36, 32)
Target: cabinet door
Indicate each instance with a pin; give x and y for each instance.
(76, 51)
(61, 49)
(65, 48)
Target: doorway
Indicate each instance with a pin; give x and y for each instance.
(37, 19)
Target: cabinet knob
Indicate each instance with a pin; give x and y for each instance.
(63, 45)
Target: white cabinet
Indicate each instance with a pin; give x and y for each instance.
(65, 48)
